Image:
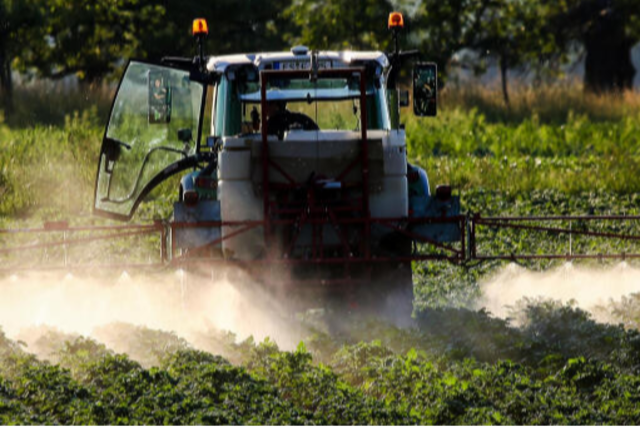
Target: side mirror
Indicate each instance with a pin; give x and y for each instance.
(425, 89)
(159, 97)
(404, 98)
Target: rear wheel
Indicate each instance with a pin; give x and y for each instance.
(389, 296)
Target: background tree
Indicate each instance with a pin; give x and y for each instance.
(339, 24)
(234, 26)
(20, 35)
(88, 38)
(92, 38)
(249, 26)
(443, 28)
(606, 30)
(514, 34)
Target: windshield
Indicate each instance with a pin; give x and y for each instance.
(326, 104)
(334, 115)
(303, 90)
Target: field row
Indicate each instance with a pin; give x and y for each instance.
(561, 367)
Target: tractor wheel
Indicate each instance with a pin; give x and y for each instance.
(389, 296)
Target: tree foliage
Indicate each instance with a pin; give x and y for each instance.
(85, 37)
(513, 33)
(234, 26)
(340, 24)
(19, 36)
(605, 30)
(91, 39)
(442, 29)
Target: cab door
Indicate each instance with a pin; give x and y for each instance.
(152, 133)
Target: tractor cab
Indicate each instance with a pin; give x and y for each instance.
(168, 117)
(300, 103)
(288, 143)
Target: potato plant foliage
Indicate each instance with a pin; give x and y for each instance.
(456, 367)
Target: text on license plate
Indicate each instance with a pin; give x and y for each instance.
(300, 65)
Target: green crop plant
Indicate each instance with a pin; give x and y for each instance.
(456, 367)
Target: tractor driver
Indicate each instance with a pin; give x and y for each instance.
(280, 120)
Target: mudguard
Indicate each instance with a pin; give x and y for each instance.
(424, 205)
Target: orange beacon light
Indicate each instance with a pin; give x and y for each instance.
(200, 27)
(396, 20)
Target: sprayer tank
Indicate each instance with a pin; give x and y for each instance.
(304, 156)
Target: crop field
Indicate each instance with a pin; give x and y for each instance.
(568, 355)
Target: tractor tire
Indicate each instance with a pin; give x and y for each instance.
(389, 296)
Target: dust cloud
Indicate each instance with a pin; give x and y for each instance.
(589, 287)
(186, 304)
(191, 305)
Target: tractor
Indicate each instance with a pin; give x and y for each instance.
(297, 167)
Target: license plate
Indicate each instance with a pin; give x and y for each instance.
(300, 65)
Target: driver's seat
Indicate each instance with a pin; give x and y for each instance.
(286, 120)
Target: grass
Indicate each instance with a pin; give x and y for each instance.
(550, 137)
(49, 169)
(551, 103)
(49, 146)
(51, 103)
